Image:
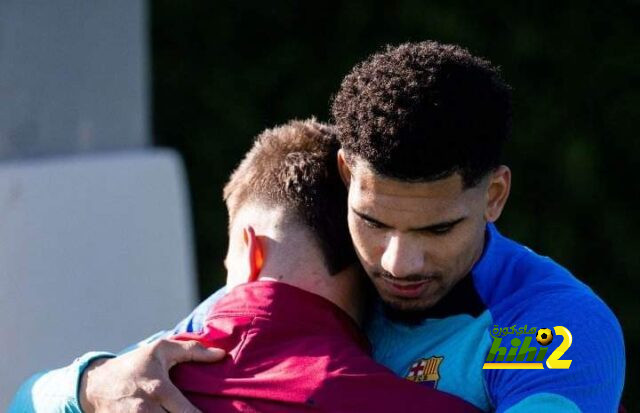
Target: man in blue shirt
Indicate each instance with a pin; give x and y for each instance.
(421, 127)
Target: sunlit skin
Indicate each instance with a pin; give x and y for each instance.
(417, 240)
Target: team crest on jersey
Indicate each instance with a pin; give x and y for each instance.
(426, 371)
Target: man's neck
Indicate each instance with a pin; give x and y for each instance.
(345, 295)
(296, 260)
(291, 255)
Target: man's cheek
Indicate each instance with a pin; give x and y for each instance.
(368, 249)
(373, 247)
(378, 250)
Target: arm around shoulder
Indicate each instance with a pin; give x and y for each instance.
(54, 391)
(58, 390)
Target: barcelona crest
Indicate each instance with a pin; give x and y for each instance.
(425, 371)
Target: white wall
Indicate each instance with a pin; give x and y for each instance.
(95, 254)
(73, 76)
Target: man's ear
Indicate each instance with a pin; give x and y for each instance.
(255, 253)
(497, 192)
(343, 168)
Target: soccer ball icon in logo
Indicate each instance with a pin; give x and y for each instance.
(544, 336)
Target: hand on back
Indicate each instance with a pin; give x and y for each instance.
(139, 381)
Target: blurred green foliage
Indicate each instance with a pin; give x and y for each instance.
(223, 71)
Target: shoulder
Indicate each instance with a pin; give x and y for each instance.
(536, 291)
(194, 322)
(509, 270)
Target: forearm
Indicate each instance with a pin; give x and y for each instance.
(58, 390)
(54, 391)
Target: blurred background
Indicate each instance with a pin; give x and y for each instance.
(202, 79)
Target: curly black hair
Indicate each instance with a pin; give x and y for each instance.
(424, 111)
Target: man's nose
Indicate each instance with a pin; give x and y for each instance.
(402, 256)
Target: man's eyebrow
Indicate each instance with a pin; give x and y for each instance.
(368, 218)
(440, 225)
(432, 227)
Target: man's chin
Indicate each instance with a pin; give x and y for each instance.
(406, 311)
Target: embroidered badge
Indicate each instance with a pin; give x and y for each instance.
(426, 371)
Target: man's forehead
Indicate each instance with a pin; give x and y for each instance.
(370, 183)
(409, 204)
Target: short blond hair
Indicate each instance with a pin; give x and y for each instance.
(294, 166)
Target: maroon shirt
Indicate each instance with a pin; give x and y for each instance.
(294, 351)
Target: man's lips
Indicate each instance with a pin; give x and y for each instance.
(406, 289)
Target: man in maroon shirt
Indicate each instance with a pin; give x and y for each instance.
(290, 322)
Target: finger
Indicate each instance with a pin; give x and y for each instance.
(172, 352)
(172, 400)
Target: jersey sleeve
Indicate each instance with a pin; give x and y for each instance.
(56, 391)
(594, 380)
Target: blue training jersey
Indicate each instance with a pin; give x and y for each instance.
(510, 293)
(509, 290)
